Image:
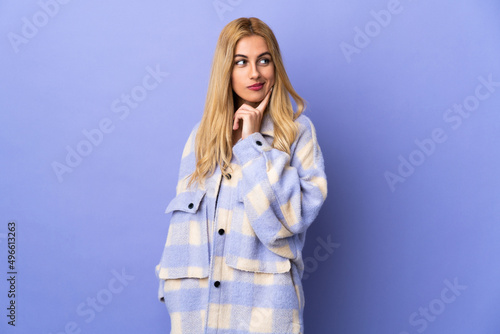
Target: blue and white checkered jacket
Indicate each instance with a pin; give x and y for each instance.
(232, 262)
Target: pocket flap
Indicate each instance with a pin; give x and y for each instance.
(258, 266)
(186, 252)
(188, 201)
(164, 273)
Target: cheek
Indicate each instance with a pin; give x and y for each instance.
(235, 80)
(271, 81)
(270, 76)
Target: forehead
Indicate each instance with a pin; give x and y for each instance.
(251, 46)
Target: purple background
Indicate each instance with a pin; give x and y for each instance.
(396, 249)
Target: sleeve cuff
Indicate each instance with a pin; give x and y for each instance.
(250, 148)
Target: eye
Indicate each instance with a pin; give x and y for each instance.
(265, 61)
(240, 62)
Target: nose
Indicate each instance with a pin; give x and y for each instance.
(254, 72)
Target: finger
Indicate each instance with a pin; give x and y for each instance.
(262, 106)
(239, 116)
(236, 119)
(236, 124)
(244, 108)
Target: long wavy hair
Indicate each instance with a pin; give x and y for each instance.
(213, 143)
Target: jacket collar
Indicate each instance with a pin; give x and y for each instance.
(266, 129)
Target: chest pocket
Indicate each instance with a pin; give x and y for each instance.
(186, 251)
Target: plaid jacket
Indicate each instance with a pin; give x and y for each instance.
(232, 262)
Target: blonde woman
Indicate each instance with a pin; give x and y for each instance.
(251, 182)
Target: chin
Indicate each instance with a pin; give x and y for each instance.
(257, 96)
(253, 100)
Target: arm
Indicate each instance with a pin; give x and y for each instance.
(188, 163)
(282, 193)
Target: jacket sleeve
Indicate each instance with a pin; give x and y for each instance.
(282, 193)
(188, 163)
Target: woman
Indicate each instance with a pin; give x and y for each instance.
(251, 182)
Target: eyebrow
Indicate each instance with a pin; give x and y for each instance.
(262, 54)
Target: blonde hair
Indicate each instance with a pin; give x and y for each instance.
(213, 144)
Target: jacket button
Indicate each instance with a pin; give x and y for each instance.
(221, 231)
(191, 205)
(258, 143)
(216, 284)
(228, 176)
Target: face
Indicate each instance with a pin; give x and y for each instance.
(252, 65)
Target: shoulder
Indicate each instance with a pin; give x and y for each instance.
(306, 146)
(189, 146)
(305, 126)
(194, 129)
(191, 139)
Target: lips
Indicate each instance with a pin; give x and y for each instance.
(256, 87)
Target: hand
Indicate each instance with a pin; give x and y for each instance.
(251, 117)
